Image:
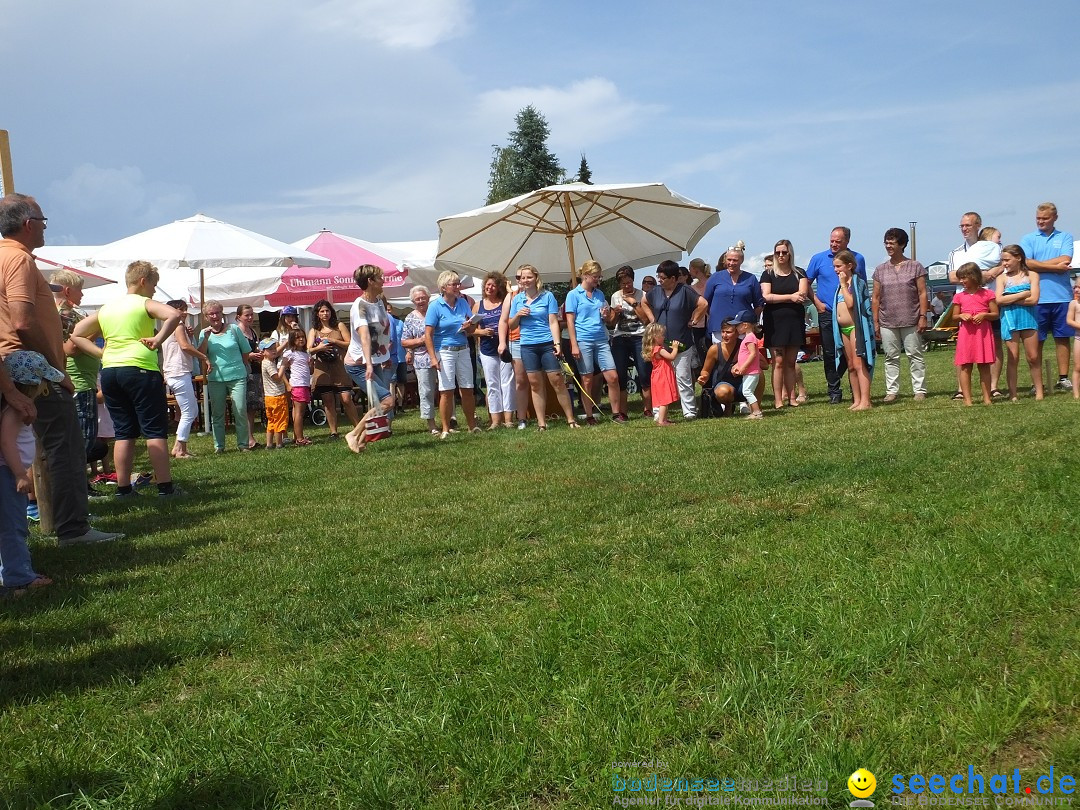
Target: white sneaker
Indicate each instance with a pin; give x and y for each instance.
(1064, 385)
(91, 536)
(521, 426)
(743, 409)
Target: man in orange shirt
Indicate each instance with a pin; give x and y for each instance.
(29, 320)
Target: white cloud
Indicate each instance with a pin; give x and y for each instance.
(393, 23)
(585, 113)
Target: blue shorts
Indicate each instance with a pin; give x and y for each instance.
(539, 357)
(380, 380)
(1052, 319)
(595, 356)
(136, 401)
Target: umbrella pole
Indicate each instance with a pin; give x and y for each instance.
(206, 377)
(573, 264)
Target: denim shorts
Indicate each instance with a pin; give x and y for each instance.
(539, 357)
(136, 401)
(380, 380)
(595, 356)
(515, 349)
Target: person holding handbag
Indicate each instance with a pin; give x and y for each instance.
(328, 339)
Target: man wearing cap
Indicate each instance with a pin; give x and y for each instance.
(678, 307)
(29, 320)
(823, 276)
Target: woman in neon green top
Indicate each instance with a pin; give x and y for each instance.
(131, 380)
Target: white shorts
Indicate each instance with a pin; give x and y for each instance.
(455, 368)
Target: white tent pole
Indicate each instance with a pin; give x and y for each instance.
(206, 376)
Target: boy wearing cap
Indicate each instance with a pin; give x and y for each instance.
(274, 397)
(29, 372)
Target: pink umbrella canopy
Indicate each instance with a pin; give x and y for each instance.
(303, 286)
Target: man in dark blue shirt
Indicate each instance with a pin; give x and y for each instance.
(823, 276)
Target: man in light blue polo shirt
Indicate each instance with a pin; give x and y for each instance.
(823, 276)
(1049, 252)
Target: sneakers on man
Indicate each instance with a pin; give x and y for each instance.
(743, 409)
(92, 536)
(176, 493)
(1063, 384)
(32, 512)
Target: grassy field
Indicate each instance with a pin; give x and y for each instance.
(498, 621)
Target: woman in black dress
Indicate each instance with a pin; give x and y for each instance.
(786, 290)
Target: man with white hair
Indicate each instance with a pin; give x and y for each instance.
(987, 255)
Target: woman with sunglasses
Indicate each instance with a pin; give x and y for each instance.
(786, 289)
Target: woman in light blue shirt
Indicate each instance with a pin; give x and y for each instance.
(536, 313)
(447, 329)
(587, 311)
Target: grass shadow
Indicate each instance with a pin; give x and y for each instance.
(45, 676)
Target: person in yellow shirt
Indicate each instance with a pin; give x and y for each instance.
(131, 380)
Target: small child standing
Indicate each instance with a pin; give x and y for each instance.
(748, 366)
(296, 366)
(664, 390)
(28, 371)
(975, 340)
(275, 400)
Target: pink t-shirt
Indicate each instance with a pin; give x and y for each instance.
(749, 360)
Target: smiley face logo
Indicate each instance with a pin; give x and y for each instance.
(861, 783)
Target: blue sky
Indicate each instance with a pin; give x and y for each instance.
(376, 117)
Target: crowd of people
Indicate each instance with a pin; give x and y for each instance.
(685, 327)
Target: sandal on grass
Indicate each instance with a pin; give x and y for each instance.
(19, 591)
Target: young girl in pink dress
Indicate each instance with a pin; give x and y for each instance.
(664, 391)
(975, 341)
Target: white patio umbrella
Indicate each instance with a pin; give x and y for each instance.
(185, 249)
(557, 227)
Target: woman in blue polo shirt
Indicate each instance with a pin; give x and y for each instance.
(586, 311)
(447, 329)
(536, 313)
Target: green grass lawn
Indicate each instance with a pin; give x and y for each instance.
(494, 621)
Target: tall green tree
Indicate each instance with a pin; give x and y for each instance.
(525, 163)
(584, 173)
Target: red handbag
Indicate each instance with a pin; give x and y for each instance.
(377, 426)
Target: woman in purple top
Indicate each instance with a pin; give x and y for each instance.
(786, 290)
(498, 374)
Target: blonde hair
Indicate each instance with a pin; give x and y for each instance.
(654, 336)
(447, 277)
(137, 271)
(535, 272)
(1047, 206)
(211, 304)
(988, 233)
(67, 278)
(701, 266)
(591, 268)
